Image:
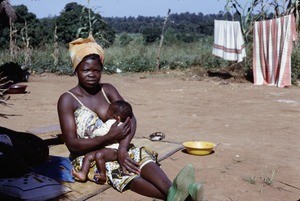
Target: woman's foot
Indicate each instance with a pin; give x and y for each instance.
(179, 190)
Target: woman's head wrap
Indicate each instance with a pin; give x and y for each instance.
(82, 47)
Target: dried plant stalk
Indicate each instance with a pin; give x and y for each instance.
(12, 40)
(26, 45)
(55, 54)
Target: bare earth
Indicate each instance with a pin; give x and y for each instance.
(256, 129)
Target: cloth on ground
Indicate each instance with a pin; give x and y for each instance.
(6, 140)
(228, 40)
(57, 168)
(20, 152)
(31, 186)
(272, 49)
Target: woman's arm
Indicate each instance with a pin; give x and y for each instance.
(124, 143)
(125, 161)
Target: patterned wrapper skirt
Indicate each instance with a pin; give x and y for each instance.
(115, 176)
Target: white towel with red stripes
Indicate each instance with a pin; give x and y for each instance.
(229, 42)
(272, 49)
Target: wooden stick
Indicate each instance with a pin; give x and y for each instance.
(161, 41)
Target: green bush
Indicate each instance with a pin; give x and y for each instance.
(151, 34)
(295, 63)
(133, 57)
(125, 39)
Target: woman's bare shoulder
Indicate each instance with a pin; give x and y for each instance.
(109, 88)
(107, 85)
(66, 97)
(111, 92)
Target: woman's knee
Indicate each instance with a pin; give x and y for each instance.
(152, 172)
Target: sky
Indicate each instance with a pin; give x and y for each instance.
(122, 8)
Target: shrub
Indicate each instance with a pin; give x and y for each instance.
(295, 63)
(151, 34)
(125, 39)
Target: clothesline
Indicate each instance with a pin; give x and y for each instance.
(272, 47)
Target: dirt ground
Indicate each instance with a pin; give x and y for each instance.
(256, 129)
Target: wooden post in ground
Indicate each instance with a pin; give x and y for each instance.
(161, 41)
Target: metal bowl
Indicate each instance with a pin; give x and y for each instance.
(200, 148)
(17, 89)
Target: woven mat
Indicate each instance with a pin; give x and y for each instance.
(83, 191)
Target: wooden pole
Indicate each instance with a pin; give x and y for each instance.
(161, 41)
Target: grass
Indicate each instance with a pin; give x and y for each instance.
(135, 56)
(250, 179)
(269, 176)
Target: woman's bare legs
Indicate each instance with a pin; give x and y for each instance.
(145, 188)
(152, 183)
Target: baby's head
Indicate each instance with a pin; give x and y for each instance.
(119, 110)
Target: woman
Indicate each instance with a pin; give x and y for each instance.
(86, 104)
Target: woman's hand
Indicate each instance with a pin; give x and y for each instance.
(117, 133)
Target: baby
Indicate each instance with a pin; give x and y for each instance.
(117, 111)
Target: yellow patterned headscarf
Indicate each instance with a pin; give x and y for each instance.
(82, 47)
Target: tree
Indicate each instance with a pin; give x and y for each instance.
(23, 17)
(68, 22)
(151, 34)
(77, 21)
